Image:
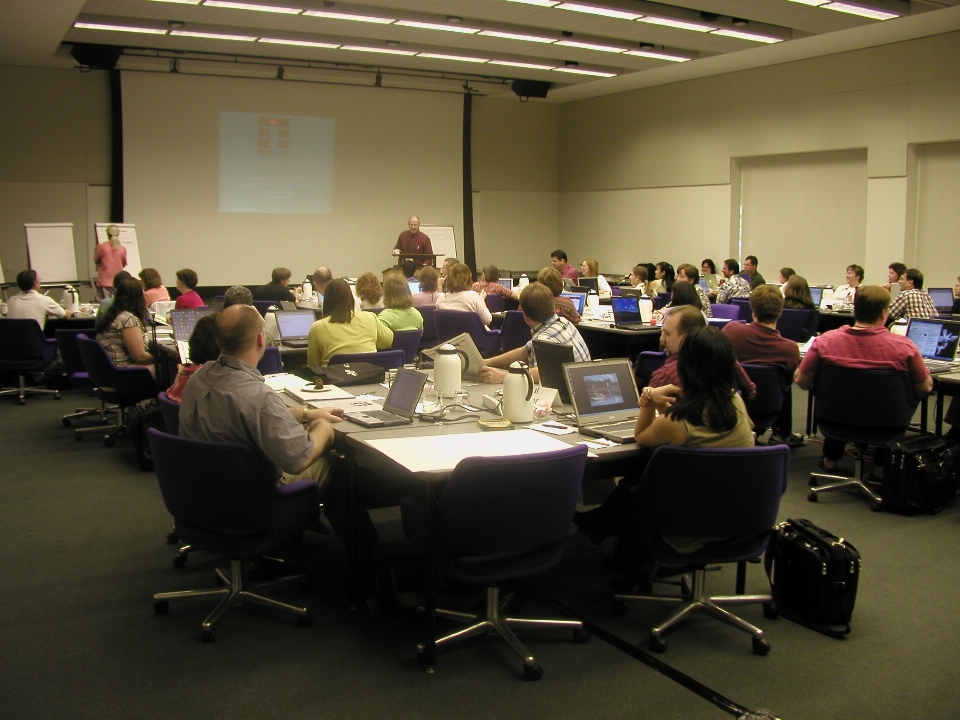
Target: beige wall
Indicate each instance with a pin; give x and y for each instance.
(690, 135)
(56, 130)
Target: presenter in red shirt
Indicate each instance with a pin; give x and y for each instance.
(415, 242)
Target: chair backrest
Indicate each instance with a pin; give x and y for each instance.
(263, 305)
(495, 511)
(648, 362)
(451, 323)
(387, 359)
(271, 362)
(70, 351)
(514, 332)
(860, 405)
(743, 304)
(712, 492)
(798, 325)
(170, 411)
(22, 340)
(771, 384)
(429, 337)
(127, 385)
(723, 310)
(409, 342)
(494, 302)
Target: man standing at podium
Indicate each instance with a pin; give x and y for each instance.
(415, 242)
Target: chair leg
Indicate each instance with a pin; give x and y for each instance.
(22, 390)
(841, 481)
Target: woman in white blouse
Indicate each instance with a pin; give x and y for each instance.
(591, 268)
(459, 294)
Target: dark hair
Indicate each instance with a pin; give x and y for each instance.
(536, 302)
(338, 302)
(128, 296)
(684, 294)
(237, 295)
(122, 275)
(858, 271)
(733, 266)
(916, 277)
(151, 278)
(752, 259)
(787, 272)
(203, 340)
(428, 279)
(707, 365)
(869, 303)
(898, 267)
(669, 275)
(188, 277)
(651, 270)
(491, 273)
(796, 293)
(766, 302)
(408, 267)
(690, 271)
(711, 263)
(559, 255)
(26, 279)
(280, 274)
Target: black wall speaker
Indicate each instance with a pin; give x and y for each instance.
(101, 57)
(530, 88)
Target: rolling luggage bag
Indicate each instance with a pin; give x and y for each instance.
(920, 475)
(814, 576)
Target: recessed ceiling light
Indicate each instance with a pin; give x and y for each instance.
(304, 43)
(517, 36)
(656, 56)
(245, 6)
(578, 71)
(387, 51)
(679, 24)
(438, 26)
(590, 46)
(213, 36)
(591, 10)
(861, 11)
(531, 66)
(348, 16)
(119, 28)
(747, 36)
(540, 3)
(460, 58)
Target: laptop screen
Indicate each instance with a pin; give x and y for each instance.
(703, 285)
(183, 321)
(295, 325)
(414, 286)
(590, 282)
(626, 309)
(507, 283)
(936, 339)
(942, 298)
(602, 390)
(816, 294)
(577, 299)
(404, 393)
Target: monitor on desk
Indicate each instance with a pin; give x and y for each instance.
(942, 299)
(936, 339)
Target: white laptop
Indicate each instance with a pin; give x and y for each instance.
(183, 322)
(399, 405)
(294, 327)
(604, 398)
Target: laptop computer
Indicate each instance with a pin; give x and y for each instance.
(816, 294)
(937, 342)
(288, 306)
(399, 405)
(713, 281)
(590, 282)
(704, 285)
(507, 283)
(629, 311)
(183, 322)
(414, 286)
(550, 359)
(942, 299)
(631, 292)
(578, 300)
(604, 398)
(294, 327)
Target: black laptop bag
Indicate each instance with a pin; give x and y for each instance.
(920, 475)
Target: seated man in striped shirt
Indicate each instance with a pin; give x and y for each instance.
(536, 302)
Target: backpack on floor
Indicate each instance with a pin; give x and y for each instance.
(920, 475)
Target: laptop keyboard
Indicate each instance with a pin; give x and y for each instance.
(938, 366)
(383, 415)
(627, 425)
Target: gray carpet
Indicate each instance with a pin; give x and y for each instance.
(84, 550)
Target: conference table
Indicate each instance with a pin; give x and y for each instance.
(407, 456)
(605, 341)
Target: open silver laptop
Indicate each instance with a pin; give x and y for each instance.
(294, 327)
(604, 398)
(937, 342)
(183, 322)
(399, 405)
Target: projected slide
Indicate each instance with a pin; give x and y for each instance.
(276, 163)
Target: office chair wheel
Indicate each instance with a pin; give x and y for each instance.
(581, 635)
(179, 561)
(305, 620)
(161, 607)
(657, 644)
(532, 672)
(65, 421)
(22, 401)
(109, 441)
(811, 497)
(56, 395)
(876, 506)
(208, 636)
(172, 538)
(761, 646)
(770, 611)
(620, 608)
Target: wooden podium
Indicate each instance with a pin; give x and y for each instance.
(419, 258)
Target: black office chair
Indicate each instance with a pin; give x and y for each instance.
(73, 365)
(766, 405)
(499, 519)
(647, 363)
(24, 349)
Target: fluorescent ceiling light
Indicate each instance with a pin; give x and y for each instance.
(747, 36)
(304, 43)
(385, 51)
(656, 55)
(815, 3)
(460, 58)
(212, 36)
(531, 66)
(348, 16)
(437, 26)
(542, 3)
(246, 6)
(579, 71)
(680, 24)
(591, 10)
(119, 28)
(516, 36)
(590, 46)
(861, 11)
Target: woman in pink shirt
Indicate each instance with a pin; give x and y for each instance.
(153, 289)
(186, 282)
(110, 257)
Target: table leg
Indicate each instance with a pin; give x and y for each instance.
(353, 560)
(811, 429)
(924, 408)
(428, 653)
(938, 411)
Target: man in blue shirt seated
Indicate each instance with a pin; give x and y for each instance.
(536, 303)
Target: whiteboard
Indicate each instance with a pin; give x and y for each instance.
(50, 251)
(443, 240)
(1, 272)
(128, 239)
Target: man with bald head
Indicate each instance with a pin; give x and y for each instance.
(414, 241)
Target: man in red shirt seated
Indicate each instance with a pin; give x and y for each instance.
(558, 258)
(867, 345)
(760, 342)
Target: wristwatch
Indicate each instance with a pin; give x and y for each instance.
(303, 418)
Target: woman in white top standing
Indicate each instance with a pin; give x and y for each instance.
(844, 294)
(591, 268)
(459, 294)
